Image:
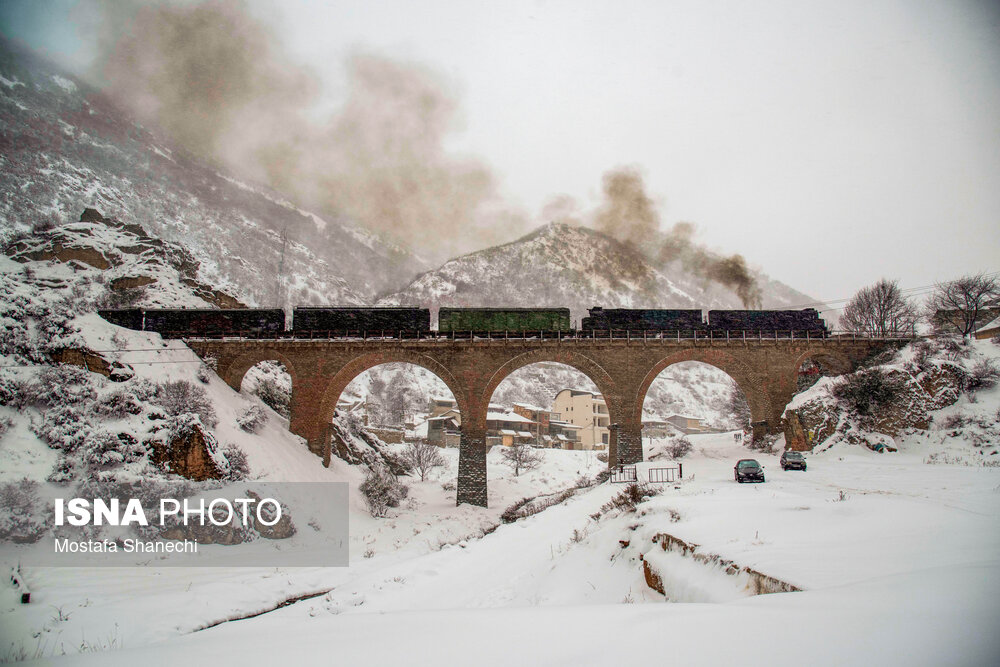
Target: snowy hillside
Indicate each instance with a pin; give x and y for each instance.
(560, 265)
(65, 147)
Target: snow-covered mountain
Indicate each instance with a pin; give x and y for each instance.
(65, 146)
(576, 267)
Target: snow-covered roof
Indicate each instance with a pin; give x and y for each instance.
(529, 406)
(525, 434)
(562, 424)
(995, 324)
(507, 431)
(508, 417)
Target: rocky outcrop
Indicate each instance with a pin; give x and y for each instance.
(189, 450)
(924, 389)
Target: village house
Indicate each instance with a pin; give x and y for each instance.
(509, 428)
(588, 411)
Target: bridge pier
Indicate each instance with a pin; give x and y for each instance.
(629, 444)
(472, 453)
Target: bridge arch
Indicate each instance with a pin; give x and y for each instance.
(748, 382)
(575, 360)
(345, 374)
(234, 371)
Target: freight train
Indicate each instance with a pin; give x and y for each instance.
(315, 319)
(339, 322)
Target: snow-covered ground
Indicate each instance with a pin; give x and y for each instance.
(897, 560)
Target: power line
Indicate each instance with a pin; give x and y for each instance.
(910, 291)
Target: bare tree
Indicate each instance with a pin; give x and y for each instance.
(879, 310)
(423, 457)
(521, 456)
(959, 305)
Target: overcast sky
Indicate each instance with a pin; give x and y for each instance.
(832, 143)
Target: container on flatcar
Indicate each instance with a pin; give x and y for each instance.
(129, 318)
(362, 320)
(503, 319)
(180, 322)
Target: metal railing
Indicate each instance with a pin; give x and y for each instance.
(623, 474)
(629, 336)
(665, 475)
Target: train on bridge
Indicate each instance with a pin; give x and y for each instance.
(413, 322)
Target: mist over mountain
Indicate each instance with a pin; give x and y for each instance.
(565, 265)
(66, 146)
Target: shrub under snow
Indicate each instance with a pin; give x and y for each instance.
(19, 520)
(251, 418)
(180, 397)
(382, 490)
(678, 448)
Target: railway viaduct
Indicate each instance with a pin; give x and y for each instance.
(766, 370)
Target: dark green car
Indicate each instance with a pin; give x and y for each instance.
(482, 320)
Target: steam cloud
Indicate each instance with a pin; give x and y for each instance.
(216, 79)
(630, 215)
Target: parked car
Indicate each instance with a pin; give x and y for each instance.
(791, 460)
(748, 470)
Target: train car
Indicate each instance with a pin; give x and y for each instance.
(766, 320)
(182, 322)
(129, 318)
(314, 319)
(482, 320)
(637, 319)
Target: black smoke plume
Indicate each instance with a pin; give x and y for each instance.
(630, 215)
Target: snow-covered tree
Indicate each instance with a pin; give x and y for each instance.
(521, 457)
(958, 306)
(879, 310)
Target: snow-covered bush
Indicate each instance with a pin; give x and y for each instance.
(180, 397)
(678, 448)
(382, 490)
(130, 297)
(207, 369)
(64, 471)
(19, 516)
(63, 385)
(13, 390)
(105, 450)
(868, 391)
(274, 395)
(423, 457)
(119, 403)
(64, 427)
(239, 468)
(631, 495)
(983, 375)
(251, 418)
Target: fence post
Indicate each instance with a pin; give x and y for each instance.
(680, 470)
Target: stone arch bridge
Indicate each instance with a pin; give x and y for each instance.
(623, 369)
